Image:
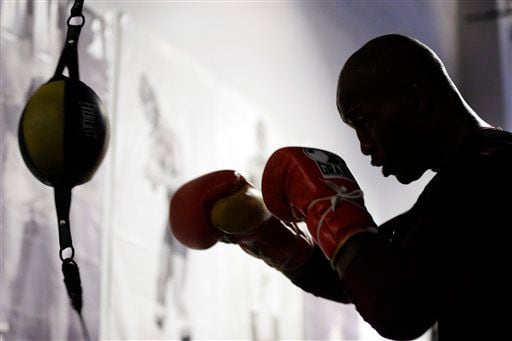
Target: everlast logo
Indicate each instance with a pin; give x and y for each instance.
(88, 119)
(330, 165)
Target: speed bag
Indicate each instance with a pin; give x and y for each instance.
(63, 132)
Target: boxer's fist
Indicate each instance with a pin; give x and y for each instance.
(315, 186)
(213, 207)
(222, 205)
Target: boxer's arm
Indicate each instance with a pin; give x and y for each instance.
(317, 277)
(393, 292)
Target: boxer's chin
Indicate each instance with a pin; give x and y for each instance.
(405, 178)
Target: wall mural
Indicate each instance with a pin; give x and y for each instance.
(163, 170)
(176, 122)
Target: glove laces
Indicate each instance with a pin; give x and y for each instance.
(341, 194)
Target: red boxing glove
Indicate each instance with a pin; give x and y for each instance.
(222, 205)
(312, 185)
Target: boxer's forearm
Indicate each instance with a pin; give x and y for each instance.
(318, 278)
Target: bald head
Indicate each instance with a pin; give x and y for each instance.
(406, 112)
(387, 66)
